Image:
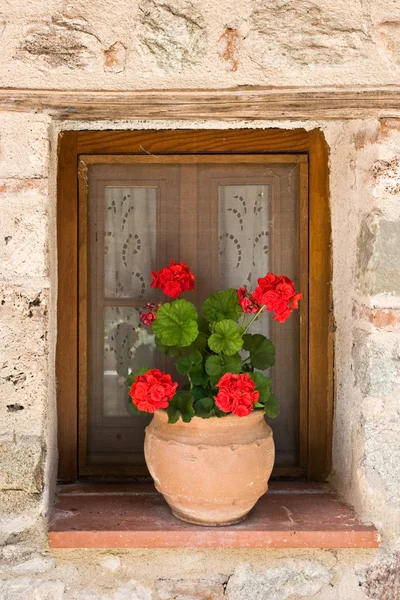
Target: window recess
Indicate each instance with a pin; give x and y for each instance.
(234, 205)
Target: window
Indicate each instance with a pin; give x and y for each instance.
(234, 205)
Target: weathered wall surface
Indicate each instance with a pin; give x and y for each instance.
(149, 44)
(161, 43)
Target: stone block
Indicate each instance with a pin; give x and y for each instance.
(172, 33)
(193, 589)
(381, 580)
(59, 41)
(290, 578)
(128, 591)
(378, 256)
(21, 464)
(111, 563)
(19, 511)
(23, 360)
(376, 363)
(381, 460)
(23, 229)
(36, 564)
(31, 589)
(24, 145)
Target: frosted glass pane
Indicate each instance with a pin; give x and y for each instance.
(130, 241)
(243, 234)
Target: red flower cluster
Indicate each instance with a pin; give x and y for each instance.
(148, 317)
(173, 280)
(152, 391)
(277, 293)
(247, 301)
(236, 394)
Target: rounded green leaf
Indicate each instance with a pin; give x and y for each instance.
(227, 338)
(186, 363)
(272, 406)
(181, 405)
(176, 323)
(262, 351)
(213, 365)
(222, 305)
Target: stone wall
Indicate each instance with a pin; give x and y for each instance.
(121, 45)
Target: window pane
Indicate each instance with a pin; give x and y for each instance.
(130, 241)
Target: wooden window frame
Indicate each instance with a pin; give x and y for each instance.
(316, 423)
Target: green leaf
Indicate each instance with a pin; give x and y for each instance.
(262, 351)
(168, 350)
(204, 408)
(198, 392)
(199, 343)
(176, 323)
(263, 385)
(218, 364)
(203, 325)
(227, 338)
(188, 362)
(272, 406)
(181, 405)
(132, 376)
(221, 306)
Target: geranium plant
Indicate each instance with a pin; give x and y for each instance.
(221, 359)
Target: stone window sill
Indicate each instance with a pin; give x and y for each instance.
(290, 515)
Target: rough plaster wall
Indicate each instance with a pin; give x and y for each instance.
(190, 43)
(363, 183)
(156, 43)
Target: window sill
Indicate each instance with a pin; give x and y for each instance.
(290, 515)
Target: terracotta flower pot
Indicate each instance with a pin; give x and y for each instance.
(210, 471)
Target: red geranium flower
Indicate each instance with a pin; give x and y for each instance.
(173, 280)
(247, 301)
(148, 317)
(278, 295)
(152, 391)
(237, 394)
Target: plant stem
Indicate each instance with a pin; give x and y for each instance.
(254, 318)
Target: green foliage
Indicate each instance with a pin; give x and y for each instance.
(176, 323)
(205, 348)
(181, 406)
(262, 351)
(217, 365)
(221, 306)
(227, 338)
(186, 363)
(272, 406)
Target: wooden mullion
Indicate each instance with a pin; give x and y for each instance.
(67, 307)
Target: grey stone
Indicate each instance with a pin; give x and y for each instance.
(193, 589)
(62, 42)
(22, 464)
(310, 33)
(111, 563)
(378, 256)
(381, 460)
(290, 578)
(381, 580)
(19, 511)
(31, 589)
(173, 32)
(36, 564)
(376, 364)
(128, 591)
